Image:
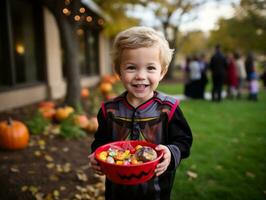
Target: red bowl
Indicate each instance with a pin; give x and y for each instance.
(128, 174)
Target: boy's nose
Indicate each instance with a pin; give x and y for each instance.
(140, 75)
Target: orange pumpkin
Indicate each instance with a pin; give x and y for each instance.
(92, 125)
(63, 113)
(47, 112)
(106, 87)
(108, 79)
(13, 135)
(81, 120)
(84, 92)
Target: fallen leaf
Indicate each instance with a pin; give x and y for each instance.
(250, 174)
(55, 130)
(65, 149)
(53, 178)
(14, 169)
(48, 158)
(56, 193)
(50, 165)
(62, 188)
(78, 196)
(66, 167)
(192, 175)
(53, 149)
(81, 189)
(59, 168)
(33, 189)
(41, 142)
(219, 167)
(39, 196)
(24, 188)
(49, 196)
(37, 153)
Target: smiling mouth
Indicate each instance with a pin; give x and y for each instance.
(140, 86)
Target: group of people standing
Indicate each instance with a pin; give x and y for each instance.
(231, 70)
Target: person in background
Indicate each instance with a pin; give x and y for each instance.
(263, 76)
(249, 65)
(141, 57)
(253, 87)
(186, 76)
(218, 66)
(194, 84)
(204, 78)
(231, 77)
(241, 74)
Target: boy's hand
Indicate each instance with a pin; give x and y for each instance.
(161, 167)
(94, 164)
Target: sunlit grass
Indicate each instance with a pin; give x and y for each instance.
(228, 152)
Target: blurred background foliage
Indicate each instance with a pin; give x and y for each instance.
(244, 32)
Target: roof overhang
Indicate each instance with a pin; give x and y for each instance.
(96, 9)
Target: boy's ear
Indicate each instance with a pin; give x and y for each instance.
(164, 71)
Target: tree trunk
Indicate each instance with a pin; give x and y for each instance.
(69, 44)
(70, 56)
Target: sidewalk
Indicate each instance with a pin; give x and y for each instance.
(207, 96)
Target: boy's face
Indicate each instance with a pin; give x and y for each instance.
(141, 72)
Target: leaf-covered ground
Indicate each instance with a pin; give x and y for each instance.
(51, 167)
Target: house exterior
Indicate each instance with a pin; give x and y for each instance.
(31, 62)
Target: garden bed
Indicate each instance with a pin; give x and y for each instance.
(51, 167)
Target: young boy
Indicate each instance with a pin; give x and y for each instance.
(141, 57)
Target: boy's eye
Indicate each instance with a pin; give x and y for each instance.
(131, 67)
(151, 68)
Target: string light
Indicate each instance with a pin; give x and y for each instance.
(88, 18)
(100, 21)
(77, 18)
(66, 11)
(82, 10)
(20, 49)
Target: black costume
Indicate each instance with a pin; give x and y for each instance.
(158, 120)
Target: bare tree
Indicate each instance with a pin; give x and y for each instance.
(170, 14)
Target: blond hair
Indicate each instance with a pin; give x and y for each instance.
(138, 37)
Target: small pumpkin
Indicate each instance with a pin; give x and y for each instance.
(92, 125)
(109, 79)
(47, 112)
(84, 92)
(13, 135)
(63, 113)
(81, 120)
(106, 87)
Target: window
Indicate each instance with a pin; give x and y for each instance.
(21, 44)
(88, 51)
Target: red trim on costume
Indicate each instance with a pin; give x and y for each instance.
(145, 105)
(173, 110)
(104, 111)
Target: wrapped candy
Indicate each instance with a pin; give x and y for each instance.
(146, 154)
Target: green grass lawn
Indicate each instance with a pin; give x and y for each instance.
(228, 155)
(228, 152)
